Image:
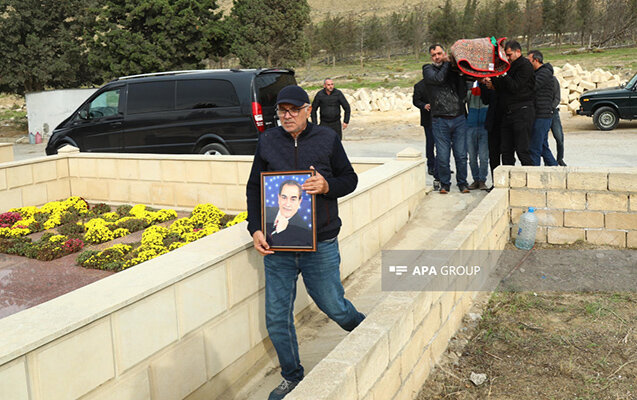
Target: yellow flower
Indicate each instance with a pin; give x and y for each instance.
(120, 232)
(57, 238)
(239, 218)
(110, 216)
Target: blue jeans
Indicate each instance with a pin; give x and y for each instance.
(558, 134)
(448, 134)
(539, 147)
(322, 279)
(478, 149)
(430, 151)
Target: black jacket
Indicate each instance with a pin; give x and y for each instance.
(330, 105)
(495, 112)
(446, 89)
(517, 87)
(420, 100)
(316, 146)
(557, 95)
(544, 91)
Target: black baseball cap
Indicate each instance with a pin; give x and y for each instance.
(293, 94)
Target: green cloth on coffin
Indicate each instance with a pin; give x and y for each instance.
(480, 58)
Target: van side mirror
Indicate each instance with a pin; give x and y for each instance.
(83, 114)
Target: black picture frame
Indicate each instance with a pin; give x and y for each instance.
(281, 206)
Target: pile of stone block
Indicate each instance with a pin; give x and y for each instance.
(394, 99)
(574, 80)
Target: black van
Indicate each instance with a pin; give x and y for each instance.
(179, 112)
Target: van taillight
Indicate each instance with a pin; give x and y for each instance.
(257, 115)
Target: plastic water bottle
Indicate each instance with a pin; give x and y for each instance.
(526, 230)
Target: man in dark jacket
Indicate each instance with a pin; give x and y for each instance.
(556, 124)
(300, 145)
(284, 225)
(330, 100)
(422, 103)
(492, 123)
(447, 90)
(544, 88)
(516, 93)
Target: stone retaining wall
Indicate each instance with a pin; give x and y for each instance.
(389, 356)
(188, 323)
(177, 181)
(595, 205)
(6, 152)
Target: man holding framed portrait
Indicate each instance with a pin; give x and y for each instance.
(287, 152)
(288, 227)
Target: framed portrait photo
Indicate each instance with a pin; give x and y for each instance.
(288, 218)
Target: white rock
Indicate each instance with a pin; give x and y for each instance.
(573, 106)
(568, 73)
(478, 379)
(587, 85)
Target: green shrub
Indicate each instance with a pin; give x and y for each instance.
(85, 255)
(99, 209)
(71, 216)
(124, 209)
(133, 225)
(72, 230)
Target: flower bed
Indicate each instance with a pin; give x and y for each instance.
(72, 224)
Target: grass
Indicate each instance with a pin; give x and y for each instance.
(7, 115)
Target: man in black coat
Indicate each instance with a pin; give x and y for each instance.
(516, 90)
(421, 102)
(330, 100)
(447, 91)
(301, 145)
(492, 124)
(544, 92)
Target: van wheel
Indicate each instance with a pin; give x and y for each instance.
(214, 149)
(605, 119)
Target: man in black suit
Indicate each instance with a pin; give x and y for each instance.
(284, 225)
(421, 102)
(330, 100)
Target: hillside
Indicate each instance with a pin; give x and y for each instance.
(320, 8)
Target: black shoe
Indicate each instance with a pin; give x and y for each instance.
(444, 189)
(464, 188)
(475, 185)
(430, 171)
(436, 184)
(282, 390)
(561, 163)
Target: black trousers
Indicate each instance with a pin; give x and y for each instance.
(494, 147)
(515, 135)
(336, 125)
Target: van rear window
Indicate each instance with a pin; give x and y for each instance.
(151, 97)
(269, 85)
(205, 93)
